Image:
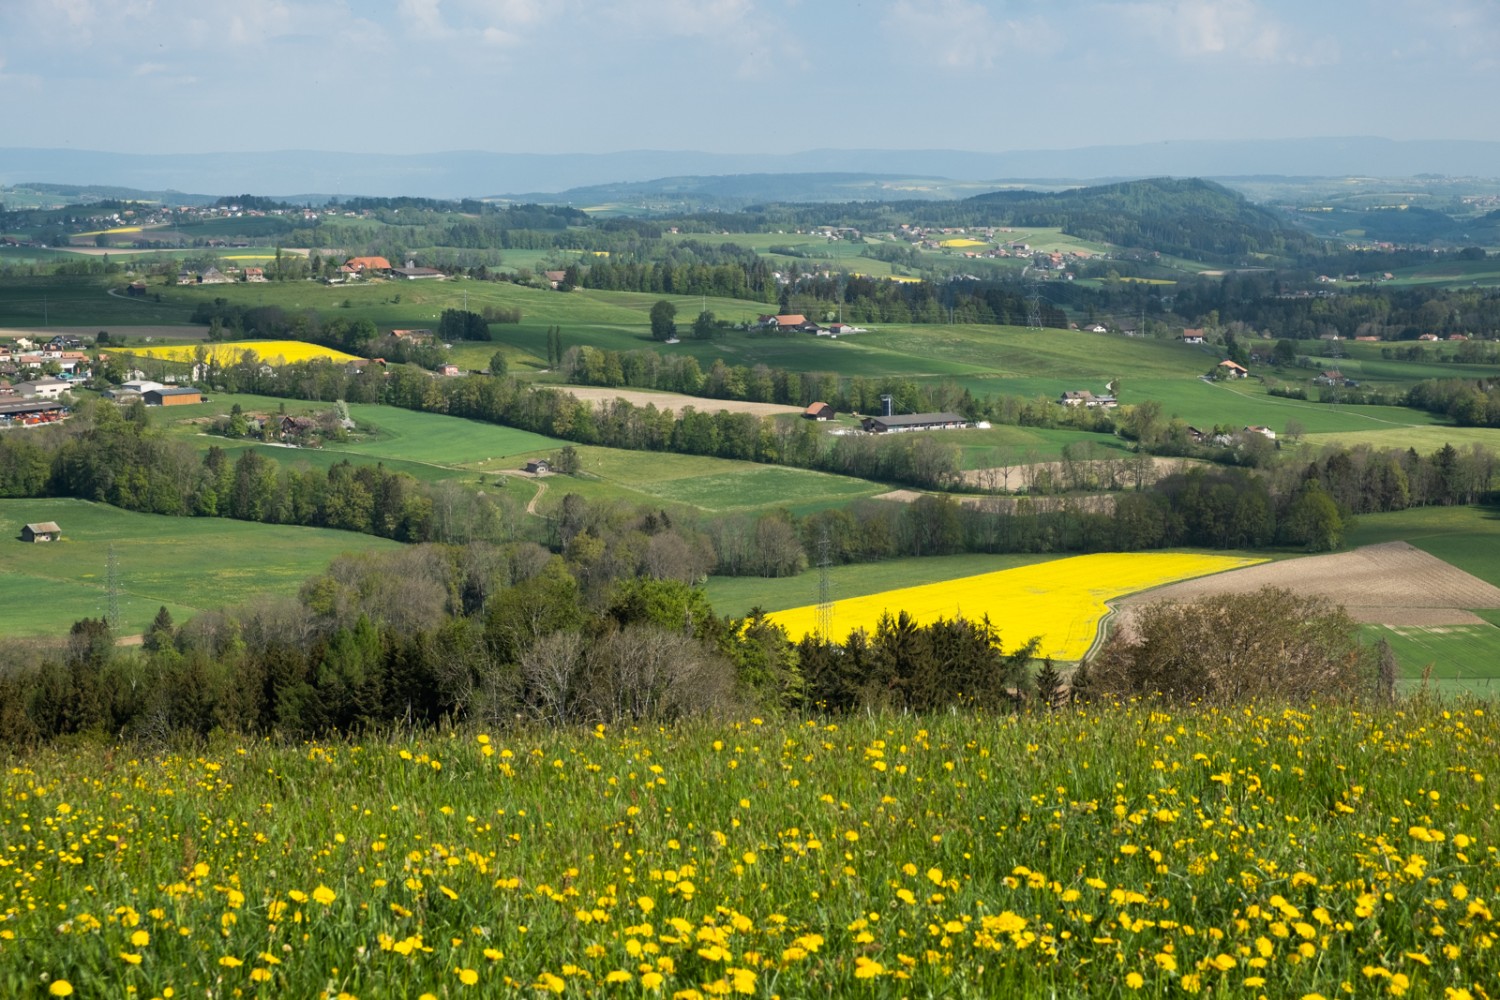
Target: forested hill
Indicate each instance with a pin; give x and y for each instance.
(1190, 218)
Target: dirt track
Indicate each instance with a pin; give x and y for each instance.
(1388, 584)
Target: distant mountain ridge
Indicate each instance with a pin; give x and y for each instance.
(287, 174)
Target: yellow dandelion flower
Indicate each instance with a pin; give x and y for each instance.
(324, 895)
(133, 958)
(467, 976)
(60, 988)
(140, 938)
(866, 968)
(230, 962)
(1135, 980)
(651, 980)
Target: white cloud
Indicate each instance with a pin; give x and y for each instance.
(425, 17)
(963, 34)
(1221, 28)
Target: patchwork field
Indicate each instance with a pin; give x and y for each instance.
(1062, 601)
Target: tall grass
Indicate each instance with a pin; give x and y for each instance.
(1257, 851)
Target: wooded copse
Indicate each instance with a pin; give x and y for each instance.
(499, 635)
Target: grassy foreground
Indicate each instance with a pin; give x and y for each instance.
(1272, 852)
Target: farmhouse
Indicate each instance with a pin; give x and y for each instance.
(1192, 336)
(539, 467)
(172, 396)
(1264, 432)
(1082, 397)
(819, 412)
(365, 266)
(913, 422)
(45, 531)
(413, 336)
(790, 323)
(1330, 377)
(555, 278)
(1231, 369)
(448, 370)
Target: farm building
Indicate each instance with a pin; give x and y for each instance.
(1082, 397)
(43, 388)
(45, 531)
(30, 412)
(913, 422)
(1232, 369)
(789, 323)
(172, 396)
(1191, 336)
(411, 272)
(539, 467)
(819, 411)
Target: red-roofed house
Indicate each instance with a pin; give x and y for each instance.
(368, 265)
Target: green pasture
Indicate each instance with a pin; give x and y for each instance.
(709, 484)
(1450, 272)
(187, 564)
(1463, 658)
(736, 595)
(429, 446)
(67, 300)
(438, 439)
(1426, 439)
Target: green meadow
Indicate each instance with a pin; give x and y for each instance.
(187, 564)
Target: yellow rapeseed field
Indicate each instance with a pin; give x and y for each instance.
(111, 232)
(1061, 601)
(228, 354)
(963, 243)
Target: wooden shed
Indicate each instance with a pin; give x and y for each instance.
(46, 531)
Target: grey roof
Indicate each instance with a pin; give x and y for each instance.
(918, 419)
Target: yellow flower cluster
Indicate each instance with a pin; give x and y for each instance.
(1255, 852)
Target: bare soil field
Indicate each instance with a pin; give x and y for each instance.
(674, 401)
(1388, 584)
(1093, 503)
(1125, 472)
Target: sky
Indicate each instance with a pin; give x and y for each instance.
(737, 76)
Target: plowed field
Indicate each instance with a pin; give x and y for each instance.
(1388, 584)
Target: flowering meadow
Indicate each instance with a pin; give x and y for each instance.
(1124, 851)
(1062, 601)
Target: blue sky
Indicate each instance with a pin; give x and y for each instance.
(552, 76)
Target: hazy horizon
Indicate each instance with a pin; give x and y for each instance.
(738, 76)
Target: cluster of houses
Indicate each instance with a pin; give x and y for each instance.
(798, 323)
(364, 268)
(26, 402)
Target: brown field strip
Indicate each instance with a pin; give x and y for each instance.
(1392, 583)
